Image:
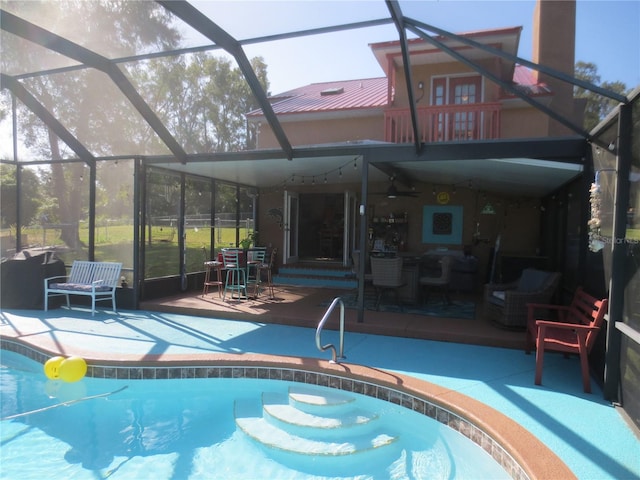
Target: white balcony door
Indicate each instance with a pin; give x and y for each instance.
(456, 91)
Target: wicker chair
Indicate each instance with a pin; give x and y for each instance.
(505, 304)
(386, 275)
(440, 282)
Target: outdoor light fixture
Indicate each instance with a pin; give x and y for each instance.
(488, 209)
(421, 88)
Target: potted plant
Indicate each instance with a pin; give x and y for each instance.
(251, 239)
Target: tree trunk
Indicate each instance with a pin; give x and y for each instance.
(67, 195)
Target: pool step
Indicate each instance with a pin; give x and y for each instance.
(310, 398)
(261, 430)
(292, 423)
(286, 413)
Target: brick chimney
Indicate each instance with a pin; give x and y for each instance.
(554, 42)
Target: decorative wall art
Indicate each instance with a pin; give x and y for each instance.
(442, 224)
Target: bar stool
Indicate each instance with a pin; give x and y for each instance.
(267, 268)
(208, 281)
(236, 280)
(255, 258)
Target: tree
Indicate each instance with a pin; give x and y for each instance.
(597, 106)
(202, 99)
(29, 189)
(85, 101)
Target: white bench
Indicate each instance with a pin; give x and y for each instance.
(95, 279)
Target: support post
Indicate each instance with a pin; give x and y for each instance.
(363, 236)
(618, 255)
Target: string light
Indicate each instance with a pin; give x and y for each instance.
(325, 175)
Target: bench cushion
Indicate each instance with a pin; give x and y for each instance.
(78, 287)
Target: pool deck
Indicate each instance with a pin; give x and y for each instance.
(488, 381)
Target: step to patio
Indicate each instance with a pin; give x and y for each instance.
(315, 277)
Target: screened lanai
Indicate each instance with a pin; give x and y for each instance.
(146, 163)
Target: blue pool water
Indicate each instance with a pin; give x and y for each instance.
(217, 429)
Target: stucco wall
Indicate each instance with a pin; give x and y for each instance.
(523, 122)
(426, 74)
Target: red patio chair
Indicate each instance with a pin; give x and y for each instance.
(574, 331)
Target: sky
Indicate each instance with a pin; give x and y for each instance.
(607, 33)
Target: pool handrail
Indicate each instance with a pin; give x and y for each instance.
(322, 348)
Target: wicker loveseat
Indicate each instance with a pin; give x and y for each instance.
(505, 304)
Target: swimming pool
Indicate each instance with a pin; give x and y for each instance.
(219, 428)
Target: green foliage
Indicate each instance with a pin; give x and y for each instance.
(114, 242)
(249, 240)
(597, 107)
(31, 198)
(87, 102)
(203, 100)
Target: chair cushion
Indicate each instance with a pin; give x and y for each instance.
(77, 287)
(497, 298)
(499, 294)
(532, 280)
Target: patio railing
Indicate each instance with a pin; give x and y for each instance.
(478, 121)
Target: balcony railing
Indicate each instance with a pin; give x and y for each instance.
(478, 121)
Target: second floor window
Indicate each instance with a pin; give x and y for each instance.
(456, 125)
(456, 90)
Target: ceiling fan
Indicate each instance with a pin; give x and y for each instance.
(393, 192)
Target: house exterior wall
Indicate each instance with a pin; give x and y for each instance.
(523, 122)
(426, 74)
(517, 220)
(517, 118)
(515, 122)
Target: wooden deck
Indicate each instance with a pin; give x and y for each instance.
(302, 306)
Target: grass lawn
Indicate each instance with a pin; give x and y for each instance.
(114, 243)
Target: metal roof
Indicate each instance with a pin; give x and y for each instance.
(328, 96)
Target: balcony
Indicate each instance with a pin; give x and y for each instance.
(444, 123)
